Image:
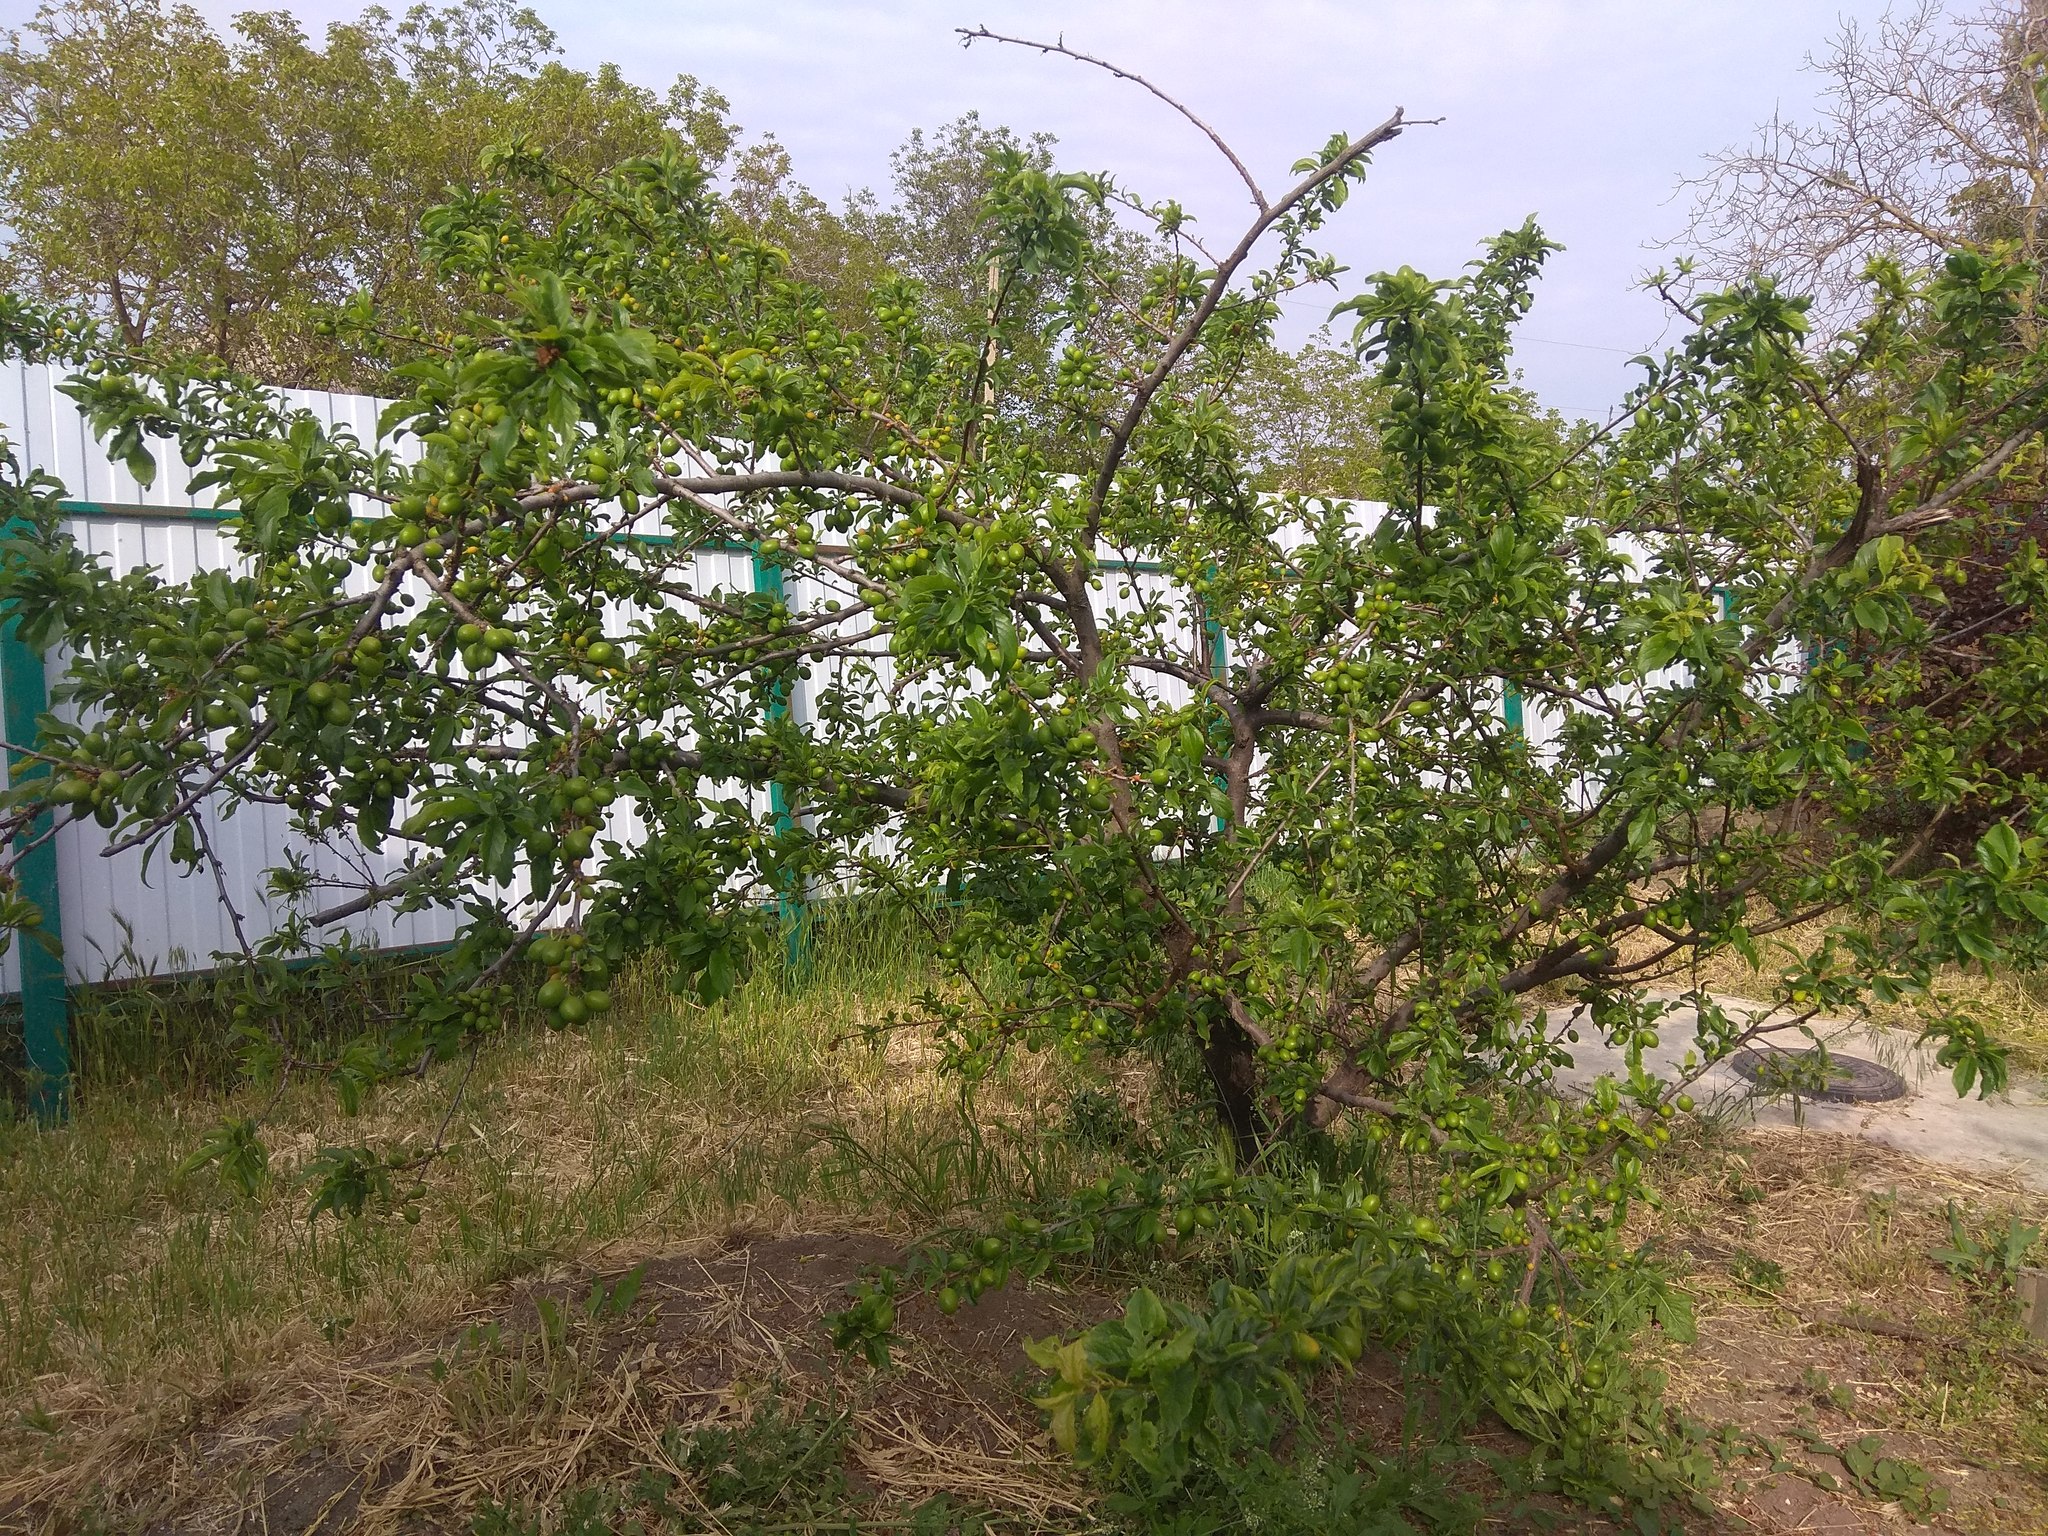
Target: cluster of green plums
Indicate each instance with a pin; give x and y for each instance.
(95, 793)
(574, 990)
(579, 809)
(481, 646)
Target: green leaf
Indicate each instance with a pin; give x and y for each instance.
(238, 1151)
(1144, 1315)
(1657, 651)
(1975, 942)
(716, 980)
(1642, 831)
(1176, 1390)
(1674, 1313)
(1998, 851)
(1095, 1425)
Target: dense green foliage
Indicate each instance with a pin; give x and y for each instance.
(1329, 871)
(123, 190)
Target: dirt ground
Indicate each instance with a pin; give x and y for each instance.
(409, 1441)
(1823, 1323)
(508, 1408)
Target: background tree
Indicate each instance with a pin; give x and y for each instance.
(1310, 420)
(1931, 136)
(226, 195)
(1931, 139)
(235, 196)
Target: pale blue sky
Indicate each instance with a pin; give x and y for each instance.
(1584, 112)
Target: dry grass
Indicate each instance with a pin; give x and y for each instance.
(506, 1412)
(1797, 1247)
(2015, 1008)
(149, 1316)
(1824, 1318)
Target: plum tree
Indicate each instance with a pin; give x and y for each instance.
(1217, 772)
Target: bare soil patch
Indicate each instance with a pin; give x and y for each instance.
(1827, 1323)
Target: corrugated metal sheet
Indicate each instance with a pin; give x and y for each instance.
(124, 916)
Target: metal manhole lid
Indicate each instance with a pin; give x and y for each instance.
(1851, 1079)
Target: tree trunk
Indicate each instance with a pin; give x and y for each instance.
(1232, 1062)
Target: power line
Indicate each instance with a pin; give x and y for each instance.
(1545, 341)
(1583, 346)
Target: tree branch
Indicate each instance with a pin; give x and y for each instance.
(569, 494)
(1120, 437)
(376, 895)
(969, 36)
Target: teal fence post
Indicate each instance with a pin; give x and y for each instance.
(1219, 668)
(1511, 708)
(45, 1010)
(790, 912)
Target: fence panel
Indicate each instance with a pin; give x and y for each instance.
(120, 919)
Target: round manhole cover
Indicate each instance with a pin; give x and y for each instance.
(1851, 1079)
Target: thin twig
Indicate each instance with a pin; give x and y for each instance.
(376, 895)
(969, 36)
(220, 882)
(1273, 837)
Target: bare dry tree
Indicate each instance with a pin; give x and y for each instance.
(1931, 134)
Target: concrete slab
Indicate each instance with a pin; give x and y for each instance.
(2006, 1133)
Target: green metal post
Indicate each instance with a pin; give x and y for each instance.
(1219, 668)
(1511, 709)
(789, 902)
(45, 1017)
